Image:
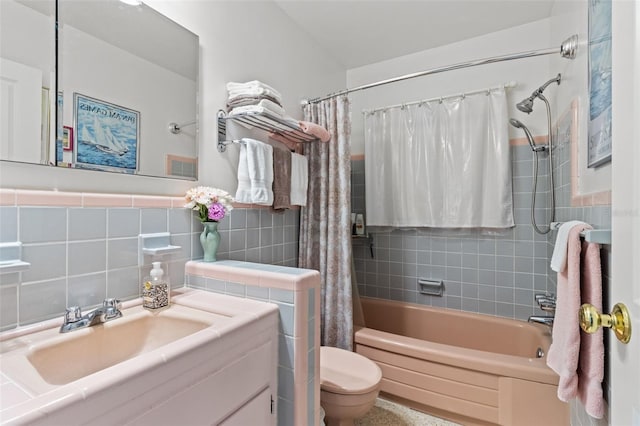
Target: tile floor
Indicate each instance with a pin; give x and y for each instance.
(387, 413)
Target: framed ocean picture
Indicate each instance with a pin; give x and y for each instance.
(107, 136)
(599, 146)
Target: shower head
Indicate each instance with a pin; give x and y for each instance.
(518, 124)
(527, 104)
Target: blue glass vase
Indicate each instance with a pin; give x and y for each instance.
(210, 240)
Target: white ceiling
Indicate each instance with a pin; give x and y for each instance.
(361, 32)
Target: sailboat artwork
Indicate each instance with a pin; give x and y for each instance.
(107, 135)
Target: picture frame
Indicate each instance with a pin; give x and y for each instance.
(107, 136)
(67, 138)
(59, 126)
(45, 130)
(599, 130)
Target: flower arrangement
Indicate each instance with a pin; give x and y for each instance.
(212, 204)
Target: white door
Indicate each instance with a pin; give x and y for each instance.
(20, 112)
(625, 284)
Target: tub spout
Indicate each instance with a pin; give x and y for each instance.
(541, 320)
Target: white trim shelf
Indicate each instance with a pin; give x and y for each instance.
(156, 244)
(11, 258)
(600, 236)
(8, 266)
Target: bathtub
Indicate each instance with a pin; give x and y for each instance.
(469, 368)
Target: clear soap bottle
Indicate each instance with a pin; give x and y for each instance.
(155, 289)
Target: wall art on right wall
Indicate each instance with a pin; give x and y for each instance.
(599, 147)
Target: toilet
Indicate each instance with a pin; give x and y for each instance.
(349, 385)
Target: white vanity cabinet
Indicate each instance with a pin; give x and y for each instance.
(237, 391)
(223, 374)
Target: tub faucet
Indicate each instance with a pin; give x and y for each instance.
(542, 320)
(546, 302)
(74, 320)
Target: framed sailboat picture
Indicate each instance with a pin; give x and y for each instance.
(107, 136)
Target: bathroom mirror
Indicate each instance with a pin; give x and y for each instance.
(27, 79)
(126, 99)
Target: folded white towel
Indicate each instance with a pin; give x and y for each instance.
(299, 179)
(559, 257)
(258, 91)
(250, 85)
(255, 165)
(261, 107)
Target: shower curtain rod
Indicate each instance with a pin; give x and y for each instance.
(567, 50)
(508, 85)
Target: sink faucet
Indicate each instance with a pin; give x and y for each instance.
(73, 318)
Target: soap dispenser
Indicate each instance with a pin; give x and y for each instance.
(155, 290)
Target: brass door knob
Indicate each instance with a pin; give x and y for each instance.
(619, 321)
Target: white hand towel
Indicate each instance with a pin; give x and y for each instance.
(260, 165)
(559, 257)
(243, 193)
(299, 179)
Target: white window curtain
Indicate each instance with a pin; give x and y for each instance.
(440, 164)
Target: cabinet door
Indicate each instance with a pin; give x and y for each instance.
(255, 412)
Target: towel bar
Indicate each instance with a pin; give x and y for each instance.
(265, 122)
(600, 236)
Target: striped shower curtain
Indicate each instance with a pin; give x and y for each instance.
(325, 222)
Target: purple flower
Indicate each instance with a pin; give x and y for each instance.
(216, 211)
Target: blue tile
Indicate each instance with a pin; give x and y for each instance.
(8, 224)
(123, 253)
(87, 290)
(287, 318)
(286, 351)
(47, 261)
(236, 289)
(42, 300)
(8, 307)
(42, 224)
(87, 224)
(286, 384)
(311, 395)
(214, 285)
(124, 283)
(312, 302)
(153, 220)
(311, 331)
(285, 412)
(279, 295)
(180, 221)
(87, 257)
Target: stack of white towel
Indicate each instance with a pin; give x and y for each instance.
(256, 97)
(256, 174)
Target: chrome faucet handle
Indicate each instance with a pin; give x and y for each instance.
(548, 306)
(544, 296)
(112, 302)
(111, 308)
(72, 314)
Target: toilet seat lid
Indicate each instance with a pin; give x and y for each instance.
(347, 372)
